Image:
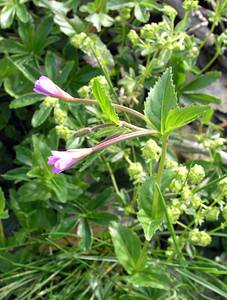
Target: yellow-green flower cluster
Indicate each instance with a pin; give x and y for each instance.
(151, 151)
(196, 174)
(63, 132)
(190, 4)
(136, 172)
(199, 238)
(50, 102)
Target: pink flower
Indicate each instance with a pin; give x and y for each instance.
(46, 87)
(62, 160)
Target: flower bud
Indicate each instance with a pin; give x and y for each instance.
(85, 91)
(196, 174)
(125, 13)
(170, 11)
(133, 37)
(151, 151)
(190, 4)
(171, 164)
(79, 39)
(136, 173)
(59, 115)
(195, 201)
(199, 238)
(174, 214)
(205, 239)
(212, 214)
(223, 186)
(50, 102)
(186, 193)
(175, 186)
(181, 173)
(63, 132)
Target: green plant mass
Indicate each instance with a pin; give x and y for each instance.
(113, 119)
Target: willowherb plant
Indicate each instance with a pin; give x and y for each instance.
(167, 193)
(96, 161)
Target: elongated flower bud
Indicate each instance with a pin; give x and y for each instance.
(62, 160)
(47, 87)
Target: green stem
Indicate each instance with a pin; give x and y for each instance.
(117, 106)
(2, 236)
(209, 63)
(155, 204)
(170, 226)
(114, 182)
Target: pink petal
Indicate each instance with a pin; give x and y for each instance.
(52, 160)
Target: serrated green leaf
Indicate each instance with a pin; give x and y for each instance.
(180, 117)
(41, 115)
(127, 248)
(160, 100)
(104, 101)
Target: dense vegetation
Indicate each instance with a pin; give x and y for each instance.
(113, 163)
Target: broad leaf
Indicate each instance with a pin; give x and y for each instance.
(150, 225)
(201, 81)
(179, 117)
(85, 233)
(22, 12)
(127, 248)
(102, 218)
(18, 174)
(63, 228)
(25, 100)
(104, 101)
(161, 99)
(7, 15)
(201, 98)
(146, 195)
(41, 115)
(147, 278)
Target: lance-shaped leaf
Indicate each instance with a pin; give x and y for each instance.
(127, 247)
(104, 100)
(202, 81)
(160, 100)
(180, 117)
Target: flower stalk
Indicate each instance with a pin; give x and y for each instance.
(47, 87)
(155, 203)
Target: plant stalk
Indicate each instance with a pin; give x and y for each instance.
(170, 226)
(123, 137)
(117, 106)
(155, 203)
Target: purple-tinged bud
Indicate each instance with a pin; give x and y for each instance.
(62, 160)
(47, 87)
